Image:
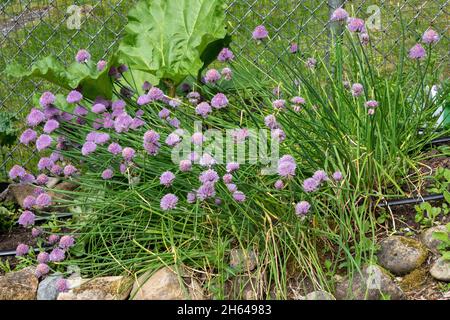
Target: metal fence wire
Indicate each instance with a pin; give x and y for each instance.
(31, 30)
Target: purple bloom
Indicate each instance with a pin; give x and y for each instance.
(122, 68)
(62, 285)
(260, 32)
(35, 117)
(43, 257)
(36, 232)
(69, 170)
(279, 104)
(168, 202)
(98, 108)
(143, 100)
(22, 249)
(88, 148)
(311, 63)
(115, 148)
(271, 122)
(293, 48)
(371, 112)
(185, 165)
(74, 96)
(45, 163)
(197, 138)
(337, 176)
(146, 86)
(320, 176)
(206, 191)
(371, 104)
(122, 123)
(29, 202)
(239, 196)
(151, 137)
(364, 39)
(231, 187)
(82, 56)
(174, 103)
(174, 122)
(430, 37)
(101, 65)
(298, 100)
(278, 135)
(43, 142)
(225, 55)
(232, 166)
(227, 178)
(212, 76)
(357, 89)
(80, 111)
(155, 94)
(52, 239)
(417, 52)
(43, 200)
(164, 113)
(56, 156)
(219, 101)
(122, 168)
(46, 99)
(356, 25)
(101, 138)
(310, 185)
(41, 179)
(226, 73)
(107, 174)
(240, 135)
(339, 15)
(191, 197)
(209, 175)
(302, 208)
(29, 135)
(50, 126)
(56, 170)
(16, 172)
(57, 255)
(167, 178)
(27, 178)
(128, 153)
(41, 270)
(286, 166)
(173, 139)
(26, 219)
(66, 242)
(206, 160)
(90, 137)
(279, 184)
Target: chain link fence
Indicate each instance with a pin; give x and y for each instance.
(31, 30)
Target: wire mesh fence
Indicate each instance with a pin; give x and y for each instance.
(31, 30)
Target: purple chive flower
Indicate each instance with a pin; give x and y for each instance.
(185, 165)
(356, 25)
(155, 94)
(207, 160)
(225, 55)
(101, 138)
(417, 52)
(311, 63)
(101, 65)
(43, 142)
(209, 175)
(371, 104)
(114, 148)
(36, 232)
(218, 201)
(278, 135)
(46, 99)
(69, 170)
(98, 108)
(339, 15)
(164, 113)
(52, 239)
(271, 122)
(364, 38)
(191, 197)
(174, 103)
(57, 255)
(227, 178)
(22, 249)
(66, 242)
(279, 184)
(45, 163)
(168, 202)
(41, 179)
(27, 178)
(239, 196)
(279, 104)
(62, 285)
(430, 37)
(194, 156)
(232, 166)
(260, 33)
(172, 139)
(29, 135)
(51, 112)
(286, 166)
(197, 138)
(151, 137)
(293, 48)
(212, 76)
(41, 270)
(26, 219)
(357, 89)
(74, 96)
(43, 257)
(174, 122)
(226, 73)
(43, 200)
(80, 111)
(219, 101)
(146, 86)
(310, 185)
(298, 100)
(107, 174)
(90, 137)
(88, 148)
(128, 153)
(122, 123)
(50, 126)
(231, 187)
(143, 100)
(35, 117)
(337, 176)
(239, 135)
(82, 56)
(371, 112)
(123, 168)
(167, 178)
(56, 156)
(302, 208)
(206, 191)
(16, 172)
(320, 176)
(122, 68)
(38, 191)
(29, 202)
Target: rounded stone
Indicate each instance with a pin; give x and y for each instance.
(428, 240)
(440, 270)
(319, 295)
(47, 289)
(401, 255)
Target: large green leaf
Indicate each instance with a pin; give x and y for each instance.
(168, 38)
(93, 82)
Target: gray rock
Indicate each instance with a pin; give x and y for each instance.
(373, 283)
(243, 260)
(440, 270)
(164, 284)
(19, 285)
(319, 295)
(401, 255)
(47, 288)
(246, 287)
(20, 191)
(102, 288)
(428, 240)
